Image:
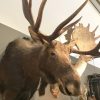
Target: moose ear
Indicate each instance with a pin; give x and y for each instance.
(51, 44)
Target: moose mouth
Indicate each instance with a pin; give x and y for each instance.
(64, 90)
(68, 93)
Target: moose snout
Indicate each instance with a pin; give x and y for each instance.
(70, 90)
(73, 90)
(77, 93)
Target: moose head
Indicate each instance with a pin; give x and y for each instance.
(26, 61)
(53, 52)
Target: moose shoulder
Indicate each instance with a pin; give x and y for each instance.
(26, 61)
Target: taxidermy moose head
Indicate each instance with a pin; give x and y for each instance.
(27, 60)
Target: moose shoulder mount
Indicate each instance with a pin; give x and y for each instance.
(25, 61)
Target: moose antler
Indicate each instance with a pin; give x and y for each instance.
(94, 52)
(35, 27)
(85, 40)
(27, 11)
(39, 18)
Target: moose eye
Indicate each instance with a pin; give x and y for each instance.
(52, 54)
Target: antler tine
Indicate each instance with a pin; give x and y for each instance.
(27, 11)
(28, 15)
(70, 30)
(68, 35)
(60, 26)
(95, 30)
(39, 18)
(94, 52)
(35, 27)
(88, 26)
(53, 36)
(70, 25)
(97, 37)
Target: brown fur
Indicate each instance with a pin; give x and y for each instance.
(25, 62)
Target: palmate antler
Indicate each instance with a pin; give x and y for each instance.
(94, 52)
(35, 26)
(84, 40)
